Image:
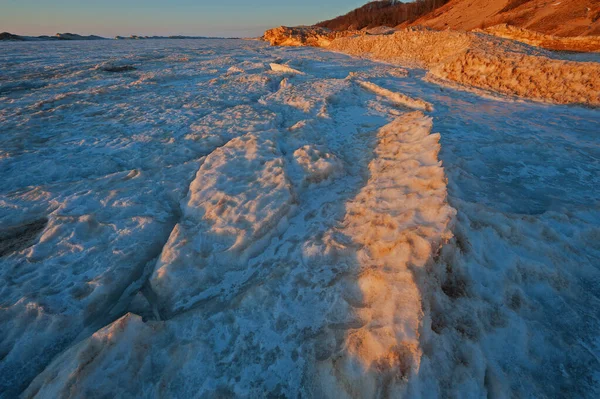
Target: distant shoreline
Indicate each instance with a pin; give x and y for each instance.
(9, 37)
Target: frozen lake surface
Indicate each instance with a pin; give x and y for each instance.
(179, 218)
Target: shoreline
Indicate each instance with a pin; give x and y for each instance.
(471, 59)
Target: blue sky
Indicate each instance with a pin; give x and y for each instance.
(164, 17)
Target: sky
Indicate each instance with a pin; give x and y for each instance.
(229, 18)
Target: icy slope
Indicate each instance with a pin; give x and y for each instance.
(202, 225)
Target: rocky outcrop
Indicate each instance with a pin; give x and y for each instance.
(74, 36)
(137, 37)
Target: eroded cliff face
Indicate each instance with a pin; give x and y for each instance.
(469, 60)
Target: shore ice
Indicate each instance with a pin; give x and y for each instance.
(356, 268)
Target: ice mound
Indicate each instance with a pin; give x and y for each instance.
(537, 78)
(284, 69)
(101, 356)
(239, 198)
(480, 61)
(484, 62)
(392, 230)
(316, 166)
(398, 98)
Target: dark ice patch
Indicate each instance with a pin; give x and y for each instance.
(17, 238)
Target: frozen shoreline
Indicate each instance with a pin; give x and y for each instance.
(475, 60)
(201, 229)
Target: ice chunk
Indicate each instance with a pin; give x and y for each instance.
(315, 165)
(239, 198)
(398, 98)
(285, 69)
(113, 353)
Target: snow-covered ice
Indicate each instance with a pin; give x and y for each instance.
(284, 69)
(199, 223)
(397, 98)
(238, 200)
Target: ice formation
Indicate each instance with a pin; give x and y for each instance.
(397, 98)
(205, 226)
(471, 60)
(284, 68)
(238, 200)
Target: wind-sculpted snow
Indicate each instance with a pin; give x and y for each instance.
(205, 226)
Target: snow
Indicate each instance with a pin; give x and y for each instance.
(204, 226)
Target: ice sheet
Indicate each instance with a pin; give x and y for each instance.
(287, 234)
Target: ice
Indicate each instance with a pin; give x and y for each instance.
(239, 198)
(205, 226)
(284, 69)
(397, 98)
(405, 160)
(315, 166)
(392, 230)
(88, 257)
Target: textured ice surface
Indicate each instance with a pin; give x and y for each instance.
(238, 200)
(205, 226)
(391, 231)
(397, 98)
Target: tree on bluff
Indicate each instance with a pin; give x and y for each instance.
(382, 13)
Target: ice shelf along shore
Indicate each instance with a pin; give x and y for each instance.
(227, 219)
